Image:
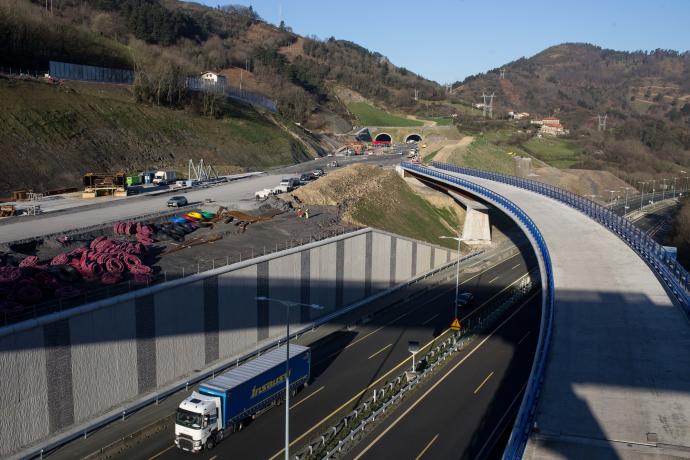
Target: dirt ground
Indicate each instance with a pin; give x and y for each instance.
(448, 149)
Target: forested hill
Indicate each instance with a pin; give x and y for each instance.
(579, 81)
(166, 40)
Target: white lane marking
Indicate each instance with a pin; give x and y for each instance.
(306, 397)
(161, 452)
(524, 337)
(500, 422)
(494, 278)
(483, 382)
(421, 454)
(381, 350)
(430, 319)
(515, 266)
(442, 378)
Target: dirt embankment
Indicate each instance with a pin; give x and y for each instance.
(372, 196)
(444, 154)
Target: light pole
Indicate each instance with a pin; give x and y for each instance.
(642, 192)
(674, 187)
(611, 200)
(457, 271)
(625, 207)
(663, 189)
(288, 304)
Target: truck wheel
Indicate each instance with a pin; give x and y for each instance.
(219, 436)
(210, 443)
(240, 425)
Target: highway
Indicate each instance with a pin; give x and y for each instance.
(464, 410)
(238, 194)
(349, 362)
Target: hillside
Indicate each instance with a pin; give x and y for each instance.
(50, 135)
(646, 96)
(166, 40)
(578, 81)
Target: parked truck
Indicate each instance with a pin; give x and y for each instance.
(225, 403)
(287, 185)
(164, 177)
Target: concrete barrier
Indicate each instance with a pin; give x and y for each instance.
(67, 368)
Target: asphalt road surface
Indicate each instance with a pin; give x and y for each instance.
(239, 194)
(347, 363)
(463, 410)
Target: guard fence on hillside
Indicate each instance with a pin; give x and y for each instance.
(519, 436)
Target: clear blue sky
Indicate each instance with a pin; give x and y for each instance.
(447, 40)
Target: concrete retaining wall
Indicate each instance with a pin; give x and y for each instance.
(67, 368)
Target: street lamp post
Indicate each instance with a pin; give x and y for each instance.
(663, 190)
(457, 271)
(642, 192)
(625, 207)
(288, 304)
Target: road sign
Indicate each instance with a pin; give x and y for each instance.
(455, 325)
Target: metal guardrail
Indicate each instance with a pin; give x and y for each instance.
(675, 278)
(123, 413)
(518, 438)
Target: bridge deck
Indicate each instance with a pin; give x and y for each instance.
(617, 383)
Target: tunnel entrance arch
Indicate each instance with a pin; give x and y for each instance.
(414, 137)
(383, 138)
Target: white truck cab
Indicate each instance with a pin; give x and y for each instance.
(198, 423)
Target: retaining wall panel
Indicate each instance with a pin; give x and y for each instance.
(380, 264)
(403, 261)
(237, 314)
(322, 278)
(179, 316)
(23, 390)
(423, 258)
(104, 353)
(284, 284)
(354, 269)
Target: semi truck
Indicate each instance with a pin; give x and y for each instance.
(224, 404)
(164, 177)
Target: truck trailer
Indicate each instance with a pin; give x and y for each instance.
(225, 403)
(165, 177)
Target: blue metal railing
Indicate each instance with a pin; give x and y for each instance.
(675, 278)
(518, 438)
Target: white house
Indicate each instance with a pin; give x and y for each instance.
(214, 78)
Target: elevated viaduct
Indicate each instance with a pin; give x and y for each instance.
(615, 375)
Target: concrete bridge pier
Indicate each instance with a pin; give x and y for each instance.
(477, 228)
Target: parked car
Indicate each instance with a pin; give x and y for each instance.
(465, 299)
(177, 201)
(318, 172)
(306, 177)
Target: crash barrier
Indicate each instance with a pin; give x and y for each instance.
(200, 84)
(67, 71)
(527, 410)
(666, 267)
(334, 439)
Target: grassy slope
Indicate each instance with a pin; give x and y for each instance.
(560, 153)
(369, 115)
(486, 153)
(50, 136)
(403, 212)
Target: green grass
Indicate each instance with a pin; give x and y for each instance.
(429, 158)
(486, 152)
(53, 135)
(369, 115)
(405, 213)
(556, 152)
